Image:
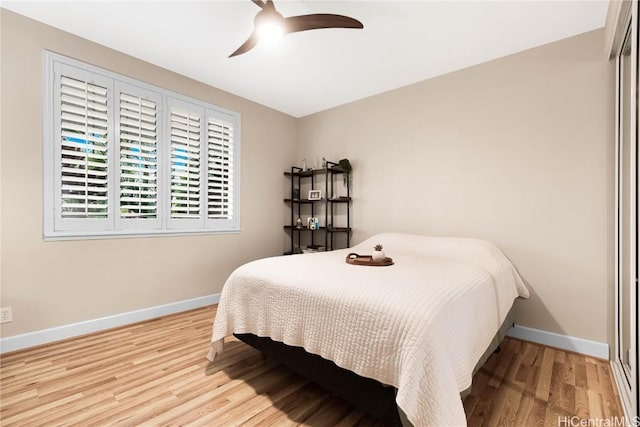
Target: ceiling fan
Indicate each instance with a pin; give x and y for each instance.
(270, 22)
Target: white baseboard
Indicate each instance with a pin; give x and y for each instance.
(31, 339)
(564, 342)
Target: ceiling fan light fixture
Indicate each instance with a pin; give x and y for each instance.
(269, 26)
(270, 32)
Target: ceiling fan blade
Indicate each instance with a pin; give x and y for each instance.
(265, 4)
(246, 46)
(319, 20)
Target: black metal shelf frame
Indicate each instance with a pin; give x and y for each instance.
(327, 202)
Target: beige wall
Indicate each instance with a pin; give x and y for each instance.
(117, 275)
(517, 151)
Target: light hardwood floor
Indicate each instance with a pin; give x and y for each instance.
(155, 373)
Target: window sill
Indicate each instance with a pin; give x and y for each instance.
(130, 234)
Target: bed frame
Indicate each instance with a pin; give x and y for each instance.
(370, 395)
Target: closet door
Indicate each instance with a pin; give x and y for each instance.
(626, 357)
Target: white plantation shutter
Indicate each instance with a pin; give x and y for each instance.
(185, 146)
(138, 157)
(124, 158)
(220, 169)
(78, 149)
(84, 165)
(223, 170)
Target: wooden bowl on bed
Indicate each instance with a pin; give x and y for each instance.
(355, 259)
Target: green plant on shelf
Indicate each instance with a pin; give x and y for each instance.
(345, 165)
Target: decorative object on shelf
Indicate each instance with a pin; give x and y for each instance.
(313, 224)
(345, 165)
(324, 163)
(315, 195)
(296, 194)
(298, 223)
(378, 253)
(355, 259)
(304, 164)
(314, 248)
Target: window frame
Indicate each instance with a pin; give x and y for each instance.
(57, 228)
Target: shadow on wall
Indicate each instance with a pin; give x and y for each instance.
(541, 309)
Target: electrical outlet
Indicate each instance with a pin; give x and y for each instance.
(5, 315)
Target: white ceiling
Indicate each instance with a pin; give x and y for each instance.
(402, 41)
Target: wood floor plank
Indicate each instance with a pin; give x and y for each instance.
(291, 411)
(155, 373)
(524, 415)
(329, 413)
(582, 403)
(544, 382)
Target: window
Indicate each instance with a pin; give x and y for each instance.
(124, 158)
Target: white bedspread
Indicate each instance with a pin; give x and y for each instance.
(420, 325)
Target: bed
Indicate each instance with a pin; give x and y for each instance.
(419, 326)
